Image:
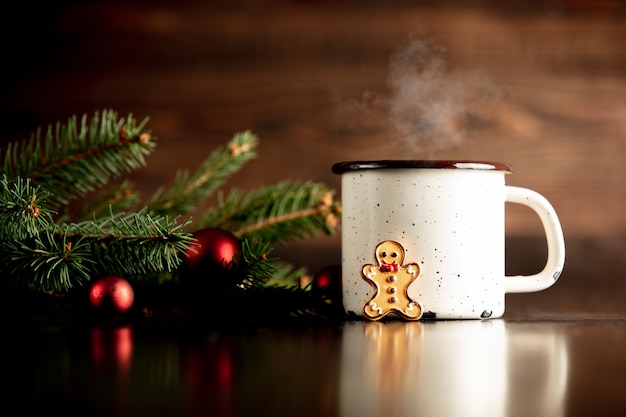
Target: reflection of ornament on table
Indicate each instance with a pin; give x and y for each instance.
(214, 365)
(112, 348)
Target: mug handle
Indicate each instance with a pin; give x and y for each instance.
(554, 235)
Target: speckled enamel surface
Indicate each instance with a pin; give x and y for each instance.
(449, 221)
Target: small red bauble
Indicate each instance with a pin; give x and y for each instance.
(327, 283)
(213, 246)
(112, 292)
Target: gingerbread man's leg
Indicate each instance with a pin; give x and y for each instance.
(372, 310)
(412, 310)
(404, 305)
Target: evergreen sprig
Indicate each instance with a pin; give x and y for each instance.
(47, 262)
(134, 243)
(260, 268)
(45, 247)
(63, 256)
(278, 213)
(23, 212)
(120, 197)
(73, 160)
(190, 190)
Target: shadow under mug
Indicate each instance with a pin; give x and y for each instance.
(426, 239)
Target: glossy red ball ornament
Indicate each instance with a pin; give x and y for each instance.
(213, 246)
(112, 292)
(326, 283)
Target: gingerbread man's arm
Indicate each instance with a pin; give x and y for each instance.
(369, 271)
(413, 269)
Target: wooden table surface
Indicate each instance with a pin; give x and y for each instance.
(548, 365)
(312, 79)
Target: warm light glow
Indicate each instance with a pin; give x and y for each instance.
(449, 368)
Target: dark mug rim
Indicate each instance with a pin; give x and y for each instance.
(341, 167)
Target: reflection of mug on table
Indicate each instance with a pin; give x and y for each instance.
(452, 368)
(425, 239)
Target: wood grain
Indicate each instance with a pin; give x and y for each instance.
(308, 78)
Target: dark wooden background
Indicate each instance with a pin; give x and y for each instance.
(309, 77)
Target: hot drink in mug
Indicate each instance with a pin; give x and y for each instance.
(426, 239)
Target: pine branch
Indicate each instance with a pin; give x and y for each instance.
(279, 213)
(258, 266)
(191, 190)
(49, 262)
(67, 255)
(73, 160)
(256, 288)
(286, 275)
(119, 198)
(23, 211)
(43, 175)
(135, 243)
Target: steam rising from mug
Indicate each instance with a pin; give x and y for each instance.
(430, 108)
(431, 105)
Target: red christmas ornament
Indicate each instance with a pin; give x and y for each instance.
(213, 246)
(327, 283)
(112, 292)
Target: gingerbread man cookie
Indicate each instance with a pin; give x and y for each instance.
(391, 280)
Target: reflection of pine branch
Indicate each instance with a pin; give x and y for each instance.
(279, 213)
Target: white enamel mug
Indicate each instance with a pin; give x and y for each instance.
(425, 239)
